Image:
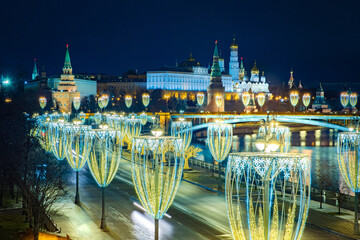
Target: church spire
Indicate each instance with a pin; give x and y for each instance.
(291, 80)
(215, 69)
(67, 69)
(35, 71)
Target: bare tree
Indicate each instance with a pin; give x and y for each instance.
(323, 181)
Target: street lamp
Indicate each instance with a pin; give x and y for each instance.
(306, 100)
(78, 150)
(128, 101)
(146, 99)
(182, 129)
(219, 136)
(258, 202)
(157, 166)
(261, 100)
(104, 160)
(348, 158)
(294, 99)
(200, 97)
(42, 102)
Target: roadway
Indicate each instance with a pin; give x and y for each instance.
(196, 213)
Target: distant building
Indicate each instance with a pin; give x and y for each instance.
(320, 104)
(66, 89)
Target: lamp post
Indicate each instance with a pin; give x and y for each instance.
(245, 97)
(182, 129)
(157, 166)
(258, 205)
(200, 97)
(306, 100)
(219, 136)
(104, 159)
(294, 99)
(348, 159)
(261, 100)
(78, 150)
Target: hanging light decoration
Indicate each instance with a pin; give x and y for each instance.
(219, 137)
(105, 99)
(128, 101)
(58, 139)
(272, 137)
(42, 102)
(79, 146)
(219, 100)
(101, 102)
(245, 96)
(146, 99)
(143, 118)
(261, 100)
(344, 99)
(200, 97)
(76, 103)
(133, 128)
(353, 99)
(104, 159)
(45, 135)
(348, 144)
(306, 99)
(294, 98)
(97, 118)
(183, 130)
(157, 166)
(258, 203)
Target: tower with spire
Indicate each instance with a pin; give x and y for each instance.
(291, 80)
(66, 89)
(222, 63)
(215, 87)
(254, 74)
(35, 71)
(242, 70)
(234, 62)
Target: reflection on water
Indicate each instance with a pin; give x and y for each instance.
(320, 145)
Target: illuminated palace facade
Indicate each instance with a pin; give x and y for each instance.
(189, 77)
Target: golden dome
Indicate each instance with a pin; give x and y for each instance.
(255, 70)
(234, 45)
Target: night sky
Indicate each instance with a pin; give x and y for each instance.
(320, 40)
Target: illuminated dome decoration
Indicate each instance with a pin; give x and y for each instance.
(76, 103)
(245, 96)
(261, 99)
(143, 118)
(128, 101)
(104, 159)
(58, 139)
(294, 98)
(306, 99)
(233, 45)
(344, 99)
(42, 102)
(353, 99)
(156, 187)
(146, 99)
(259, 207)
(182, 129)
(200, 97)
(101, 102)
(190, 62)
(79, 146)
(219, 100)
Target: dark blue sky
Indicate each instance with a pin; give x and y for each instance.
(320, 40)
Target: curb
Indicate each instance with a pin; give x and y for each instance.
(332, 231)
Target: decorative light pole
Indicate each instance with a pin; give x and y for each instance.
(353, 100)
(128, 101)
(182, 129)
(145, 99)
(143, 118)
(261, 100)
(200, 97)
(104, 159)
(219, 100)
(133, 129)
(79, 146)
(348, 158)
(76, 103)
(294, 99)
(258, 203)
(58, 139)
(306, 100)
(105, 100)
(219, 136)
(42, 102)
(344, 99)
(245, 97)
(157, 166)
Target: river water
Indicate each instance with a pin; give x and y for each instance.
(319, 144)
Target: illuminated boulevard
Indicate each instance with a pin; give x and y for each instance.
(195, 214)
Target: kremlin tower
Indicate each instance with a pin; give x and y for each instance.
(215, 87)
(35, 71)
(291, 79)
(234, 62)
(66, 89)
